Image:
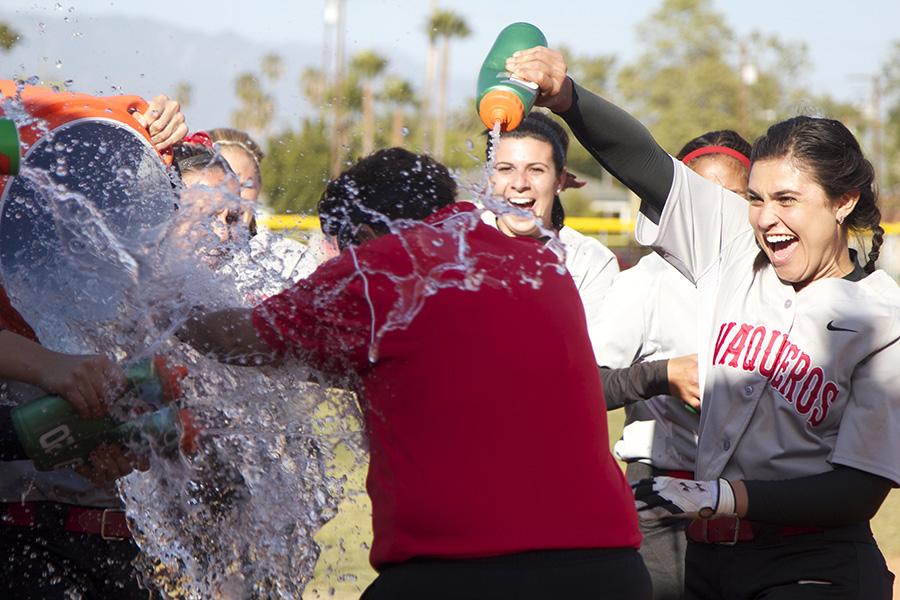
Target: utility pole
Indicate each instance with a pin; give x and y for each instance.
(335, 13)
(873, 118)
(749, 77)
(878, 129)
(430, 78)
(329, 18)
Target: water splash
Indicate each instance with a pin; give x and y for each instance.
(237, 519)
(104, 263)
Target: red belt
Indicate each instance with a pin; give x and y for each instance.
(731, 530)
(108, 523)
(674, 473)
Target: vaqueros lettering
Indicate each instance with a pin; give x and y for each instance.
(788, 369)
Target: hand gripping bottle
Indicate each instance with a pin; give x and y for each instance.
(9, 148)
(54, 436)
(501, 97)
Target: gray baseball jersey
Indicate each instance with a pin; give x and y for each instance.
(650, 313)
(591, 265)
(795, 381)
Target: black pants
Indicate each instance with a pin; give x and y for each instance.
(45, 562)
(613, 574)
(802, 567)
(664, 545)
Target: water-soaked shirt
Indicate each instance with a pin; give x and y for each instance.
(483, 404)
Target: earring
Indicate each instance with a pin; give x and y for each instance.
(840, 220)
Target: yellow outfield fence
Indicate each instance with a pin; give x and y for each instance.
(591, 225)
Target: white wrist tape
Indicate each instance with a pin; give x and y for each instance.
(725, 504)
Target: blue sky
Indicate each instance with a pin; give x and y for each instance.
(846, 40)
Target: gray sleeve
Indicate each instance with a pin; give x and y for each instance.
(640, 381)
(869, 435)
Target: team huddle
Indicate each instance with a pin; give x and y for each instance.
(754, 352)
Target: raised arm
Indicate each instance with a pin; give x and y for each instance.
(614, 138)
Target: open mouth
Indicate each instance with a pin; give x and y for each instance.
(781, 247)
(523, 203)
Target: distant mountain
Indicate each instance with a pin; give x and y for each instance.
(116, 55)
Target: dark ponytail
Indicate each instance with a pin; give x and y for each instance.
(877, 241)
(826, 150)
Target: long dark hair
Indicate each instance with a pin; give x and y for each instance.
(828, 152)
(542, 127)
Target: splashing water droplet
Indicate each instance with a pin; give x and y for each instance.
(470, 144)
(59, 63)
(404, 131)
(59, 6)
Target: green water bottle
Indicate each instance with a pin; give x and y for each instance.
(10, 151)
(54, 435)
(501, 97)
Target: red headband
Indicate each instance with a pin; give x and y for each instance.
(201, 138)
(717, 150)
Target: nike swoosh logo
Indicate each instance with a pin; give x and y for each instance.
(831, 327)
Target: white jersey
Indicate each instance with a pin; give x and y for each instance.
(650, 313)
(591, 265)
(796, 381)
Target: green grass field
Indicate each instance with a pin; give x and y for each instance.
(343, 570)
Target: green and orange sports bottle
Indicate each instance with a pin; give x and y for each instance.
(10, 151)
(500, 97)
(54, 436)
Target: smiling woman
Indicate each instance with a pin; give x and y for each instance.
(529, 174)
(800, 437)
(809, 188)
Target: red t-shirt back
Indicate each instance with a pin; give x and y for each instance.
(485, 414)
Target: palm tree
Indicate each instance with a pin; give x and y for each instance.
(446, 25)
(9, 37)
(430, 72)
(399, 94)
(272, 66)
(314, 87)
(368, 65)
(184, 93)
(257, 108)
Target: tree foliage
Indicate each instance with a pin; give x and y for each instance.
(693, 74)
(257, 108)
(184, 93)
(296, 168)
(9, 37)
